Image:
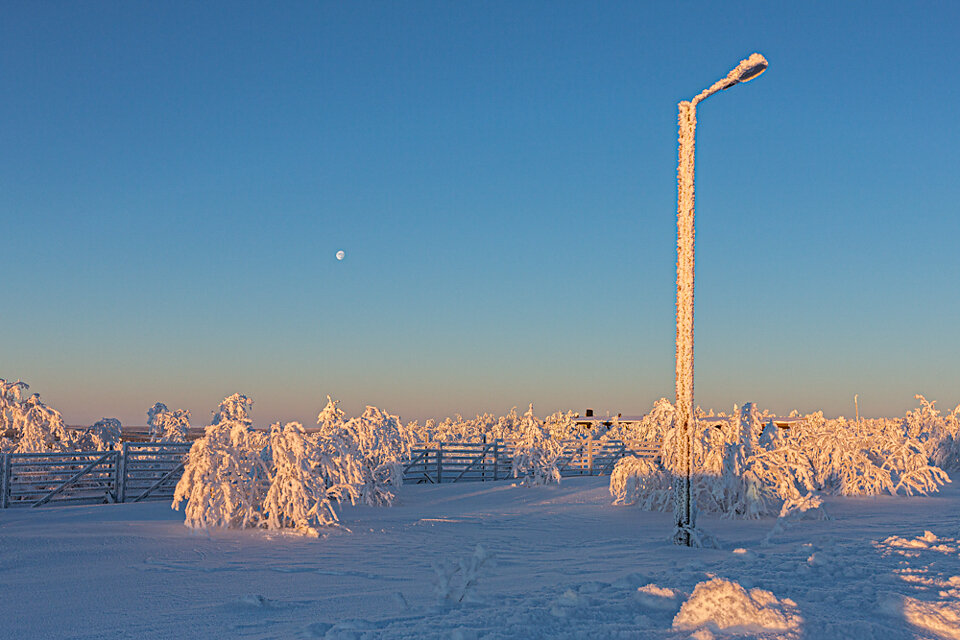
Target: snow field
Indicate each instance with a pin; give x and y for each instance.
(557, 561)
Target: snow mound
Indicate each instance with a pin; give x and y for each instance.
(942, 617)
(254, 600)
(653, 597)
(928, 540)
(724, 606)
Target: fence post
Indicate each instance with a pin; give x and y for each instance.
(590, 454)
(5, 481)
(496, 459)
(439, 463)
(122, 473)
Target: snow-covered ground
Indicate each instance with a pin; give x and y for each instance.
(564, 564)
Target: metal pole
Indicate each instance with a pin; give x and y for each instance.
(4, 481)
(683, 411)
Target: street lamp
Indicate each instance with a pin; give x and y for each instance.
(683, 412)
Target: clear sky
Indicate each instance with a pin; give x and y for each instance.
(176, 179)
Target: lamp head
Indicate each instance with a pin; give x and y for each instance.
(747, 70)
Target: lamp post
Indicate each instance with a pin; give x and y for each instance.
(683, 411)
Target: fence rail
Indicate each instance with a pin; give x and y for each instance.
(150, 471)
(138, 471)
(480, 461)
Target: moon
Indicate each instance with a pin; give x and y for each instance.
(340, 255)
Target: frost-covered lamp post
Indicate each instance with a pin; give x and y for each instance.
(683, 415)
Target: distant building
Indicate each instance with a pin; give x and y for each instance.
(590, 423)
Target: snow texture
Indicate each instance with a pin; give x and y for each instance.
(568, 566)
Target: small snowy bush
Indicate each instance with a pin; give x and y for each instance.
(39, 428)
(641, 482)
(561, 426)
(650, 430)
(457, 581)
(535, 454)
(103, 435)
(166, 425)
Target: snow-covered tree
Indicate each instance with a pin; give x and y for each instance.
(305, 482)
(11, 413)
(166, 425)
(103, 435)
(535, 453)
(381, 442)
(642, 482)
(369, 450)
(561, 426)
(39, 428)
(225, 478)
(650, 430)
(506, 426)
(332, 416)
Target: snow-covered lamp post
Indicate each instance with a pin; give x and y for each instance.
(684, 514)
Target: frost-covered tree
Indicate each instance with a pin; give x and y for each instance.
(506, 426)
(650, 430)
(39, 428)
(733, 474)
(535, 453)
(332, 416)
(305, 482)
(225, 478)
(561, 426)
(103, 435)
(11, 413)
(166, 425)
(381, 442)
(642, 482)
(370, 449)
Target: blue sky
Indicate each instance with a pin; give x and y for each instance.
(175, 179)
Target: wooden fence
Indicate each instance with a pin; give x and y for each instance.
(138, 471)
(150, 471)
(481, 461)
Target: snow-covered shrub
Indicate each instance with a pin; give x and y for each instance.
(453, 430)
(642, 482)
(870, 457)
(371, 448)
(535, 453)
(940, 434)
(239, 477)
(561, 426)
(733, 474)
(651, 429)
(225, 478)
(305, 481)
(38, 428)
(103, 435)
(909, 466)
(11, 413)
(457, 581)
(332, 416)
(506, 426)
(27, 425)
(807, 507)
(382, 442)
(166, 425)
